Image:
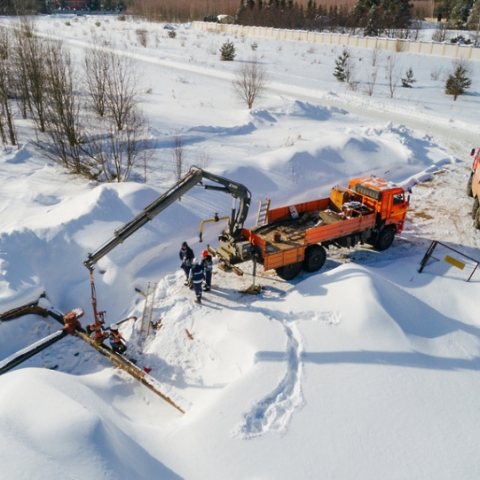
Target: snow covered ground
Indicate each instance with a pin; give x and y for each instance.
(366, 369)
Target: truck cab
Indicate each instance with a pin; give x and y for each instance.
(385, 198)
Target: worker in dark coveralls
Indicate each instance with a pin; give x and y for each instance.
(207, 264)
(196, 277)
(186, 256)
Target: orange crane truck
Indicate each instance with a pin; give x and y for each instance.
(370, 210)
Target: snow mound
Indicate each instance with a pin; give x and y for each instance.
(77, 435)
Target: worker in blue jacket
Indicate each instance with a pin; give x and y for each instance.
(196, 278)
(186, 256)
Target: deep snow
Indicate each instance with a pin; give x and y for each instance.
(364, 370)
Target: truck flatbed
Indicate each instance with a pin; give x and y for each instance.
(316, 222)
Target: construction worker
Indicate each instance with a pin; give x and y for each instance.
(117, 342)
(196, 277)
(207, 264)
(71, 322)
(186, 256)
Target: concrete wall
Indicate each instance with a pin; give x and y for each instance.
(390, 44)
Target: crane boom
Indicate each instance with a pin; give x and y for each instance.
(194, 177)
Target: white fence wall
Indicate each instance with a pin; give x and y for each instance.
(393, 45)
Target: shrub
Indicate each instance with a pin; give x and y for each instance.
(121, 18)
(435, 74)
(250, 81)
(254, 46)
(172, 33)
(210, 18)
(142, 36)
(461, 40)
(227, 51)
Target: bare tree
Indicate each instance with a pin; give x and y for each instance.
(393, 75)
(113, 154)
(371, 80)
(7, 128)
(250, 81)
(96, 77)
(178, 157)
(118, 141)
(441, 33)
(122, 88)
(112, 81)
(63, 127)
(29, 52)
(375, 56)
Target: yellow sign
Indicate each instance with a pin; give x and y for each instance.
(454, 262)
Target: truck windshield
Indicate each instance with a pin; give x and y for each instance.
(369, 192)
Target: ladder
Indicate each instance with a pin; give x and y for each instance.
(147, 313)
(262, 214)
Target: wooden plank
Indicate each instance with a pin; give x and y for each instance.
(129, 367)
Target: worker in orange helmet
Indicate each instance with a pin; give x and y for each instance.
(117, 342)
(207, 264)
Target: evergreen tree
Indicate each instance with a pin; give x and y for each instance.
(342, 67)
(473, 22)
(408, 81)
(376, 16)
(227, 51)
(458, 81)
(460, 12)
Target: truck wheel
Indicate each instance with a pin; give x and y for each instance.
(385, 238)
(469, 185)
(475, 207)
(289, 272)
(315, 257)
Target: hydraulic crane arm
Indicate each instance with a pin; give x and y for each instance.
(194, 177)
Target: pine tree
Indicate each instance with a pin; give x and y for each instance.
(460, 12)
(408, 81)
(227, 51)
(342, 67)
(458, 81)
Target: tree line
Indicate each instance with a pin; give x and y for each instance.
(391, 18)
(374, 17)
(89, 121)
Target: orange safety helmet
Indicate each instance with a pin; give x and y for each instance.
(205, 254)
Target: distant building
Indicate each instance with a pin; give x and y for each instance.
(225, 19)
